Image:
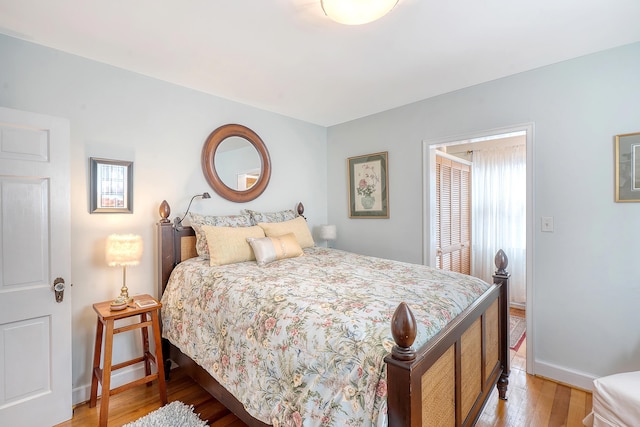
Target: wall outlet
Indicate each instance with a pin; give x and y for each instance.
(547, 224)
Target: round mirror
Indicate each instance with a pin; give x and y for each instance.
(236, 163)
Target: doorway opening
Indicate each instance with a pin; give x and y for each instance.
(501, 211)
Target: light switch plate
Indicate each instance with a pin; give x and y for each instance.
(547, 224)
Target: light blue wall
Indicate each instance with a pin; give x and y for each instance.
(161, 127)
(586, 283)
(586, 279)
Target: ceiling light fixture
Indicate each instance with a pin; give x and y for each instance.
(356, 12)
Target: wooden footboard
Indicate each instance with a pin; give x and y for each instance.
(446, 382)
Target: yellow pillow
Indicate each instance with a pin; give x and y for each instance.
(269, 249)
(296, 226)
(228, 245)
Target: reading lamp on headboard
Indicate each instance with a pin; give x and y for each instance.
(178, 221)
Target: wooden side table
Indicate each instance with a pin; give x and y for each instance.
(106, 322)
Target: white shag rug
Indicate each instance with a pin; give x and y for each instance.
(174, 414)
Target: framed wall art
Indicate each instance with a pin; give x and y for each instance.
(111, 184)
(627, 177)
(368, 186)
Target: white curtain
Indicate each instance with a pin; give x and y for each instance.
(499, 214)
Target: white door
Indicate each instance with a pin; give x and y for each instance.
(35, 330)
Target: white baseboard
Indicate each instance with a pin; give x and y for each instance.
(518, 305)
(121, 376)
(577, 379)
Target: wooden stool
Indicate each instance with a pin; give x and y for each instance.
(106, 320)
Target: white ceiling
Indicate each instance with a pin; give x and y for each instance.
(285, 56)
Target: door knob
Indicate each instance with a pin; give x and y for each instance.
(58, 288)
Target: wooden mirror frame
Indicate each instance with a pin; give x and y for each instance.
(216, 138)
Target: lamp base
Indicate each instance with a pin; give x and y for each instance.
(123, 298)
(121, 302)
(118, 304)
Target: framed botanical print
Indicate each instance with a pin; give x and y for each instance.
(111, 186)
(368, 186)
(627, 167)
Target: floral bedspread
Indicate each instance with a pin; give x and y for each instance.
(302, 341)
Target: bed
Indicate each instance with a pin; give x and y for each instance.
(357, 361)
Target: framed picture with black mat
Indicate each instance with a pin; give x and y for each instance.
(111, 187)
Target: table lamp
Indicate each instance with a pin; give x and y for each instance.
(123, 250)
(328, 233)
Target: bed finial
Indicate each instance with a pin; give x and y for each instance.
(501, 262)
(404, 331)
(165, 211)
(300, 209)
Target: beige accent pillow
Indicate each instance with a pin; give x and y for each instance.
(197, 221)
(269, 249)
(228, 245)
(296, 226)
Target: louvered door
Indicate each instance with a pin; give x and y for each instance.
(453, 214)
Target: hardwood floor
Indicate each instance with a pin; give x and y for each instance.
(138, 401)
(533, 402)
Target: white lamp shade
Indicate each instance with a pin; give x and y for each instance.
(328, 232)
(123, 249)
(356, 12)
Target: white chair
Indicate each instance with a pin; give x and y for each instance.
(616, 401)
